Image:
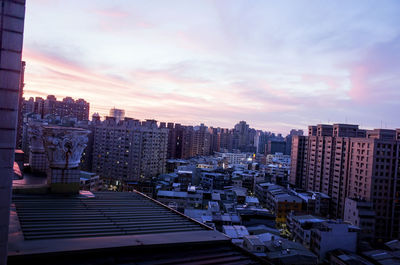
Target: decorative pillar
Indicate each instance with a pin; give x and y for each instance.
(37, 156)
(64, 147)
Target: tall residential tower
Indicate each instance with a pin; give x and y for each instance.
(12, 14)
(345, 162)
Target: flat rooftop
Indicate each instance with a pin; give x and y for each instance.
(85, 227)
(308, 218)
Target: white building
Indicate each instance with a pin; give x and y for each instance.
(234, 158)
(278, 158)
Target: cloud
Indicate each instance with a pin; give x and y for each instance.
(112, 13)
(217, 62)
(376, 76)
(116, 19)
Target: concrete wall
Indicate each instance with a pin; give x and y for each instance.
(12, 14)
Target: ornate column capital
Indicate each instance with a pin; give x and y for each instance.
(64, 145)
(35, 134)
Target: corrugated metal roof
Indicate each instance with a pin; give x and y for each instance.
(112, 228)
(107, 214)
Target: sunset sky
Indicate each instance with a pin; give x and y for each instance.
(276, 64)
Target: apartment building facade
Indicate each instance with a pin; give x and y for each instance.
(345, 162)
(129, 150)
(78, 109)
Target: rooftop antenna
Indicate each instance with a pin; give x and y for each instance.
(381, 124)
(345, 119)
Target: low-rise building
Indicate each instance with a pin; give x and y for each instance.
(252, 216)
(325, 237)
(233, 158)
(169, 197)
(361, 213)
(278, 158)
(262, 189)
(253, 244)
(236, 233)
(383, 257)
(283, 251)
(278, 173)
(252, 201)
(90, 181)
(247, 178)
(212, 180)
(280, 202)
(184, 178)
(300, 227)
(343, 257)
(389, 255)
(314, 203)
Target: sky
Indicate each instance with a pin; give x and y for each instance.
(276, 64)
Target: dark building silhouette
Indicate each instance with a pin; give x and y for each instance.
(12, 14)
(68, 107)
(273, 147)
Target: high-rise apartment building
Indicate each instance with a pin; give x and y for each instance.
(201, 141)
(272, 147)
(180, 140)
(374, 176)
(221, 140)
(214, 139)
(38, 107)
(321, 161)
(172, 140)
(78, 109)
(129, 150)
(118, 114)
(188, 141)
(12, 14)
(241, 136)
(225, 139)
(288, 140)
(28, 105)
(345, 162)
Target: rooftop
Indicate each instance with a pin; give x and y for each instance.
(86, 227)
(308, 218)
(349, 258)
(283, 248)
(104, 214)
(235, 231)
(170, 193)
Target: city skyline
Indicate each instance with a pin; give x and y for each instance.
(276, 66)
(150, 183)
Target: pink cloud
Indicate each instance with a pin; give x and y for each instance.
(115, 19)
(172, 75)
(330, 81)
(375, 76)
(112, 13)
(359, 87)
(48, 74)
